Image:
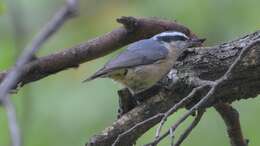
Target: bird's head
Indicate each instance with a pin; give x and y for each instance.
(177, 40)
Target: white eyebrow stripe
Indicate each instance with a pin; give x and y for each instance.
(174, 33)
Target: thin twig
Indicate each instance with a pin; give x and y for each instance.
(194, 123)
(208, 95)
(171, 137)
(176, 107)
(12, 122)
(120, 136)
(164, 116)
(11, 79)
(52, 26)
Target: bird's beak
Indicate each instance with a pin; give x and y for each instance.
(196, 42)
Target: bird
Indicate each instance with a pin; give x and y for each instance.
(145, 62)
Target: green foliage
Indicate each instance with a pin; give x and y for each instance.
(60, 110)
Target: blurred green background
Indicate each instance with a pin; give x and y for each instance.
(61, 111)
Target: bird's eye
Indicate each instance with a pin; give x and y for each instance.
(171, 38)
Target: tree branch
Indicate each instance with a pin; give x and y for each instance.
(231, 119)
(209, 95)
(135, 29)
(12, 77)
(206, 63)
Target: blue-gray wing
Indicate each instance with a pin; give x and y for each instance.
(139, 53)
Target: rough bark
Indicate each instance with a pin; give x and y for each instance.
(207, 63)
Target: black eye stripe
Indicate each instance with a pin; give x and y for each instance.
(172, 38)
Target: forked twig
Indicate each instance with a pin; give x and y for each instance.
(194, 123)
(177, 106)
(162, 116)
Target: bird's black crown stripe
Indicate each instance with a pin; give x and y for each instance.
(171, 38)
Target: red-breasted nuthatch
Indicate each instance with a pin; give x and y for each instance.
(147, 61)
